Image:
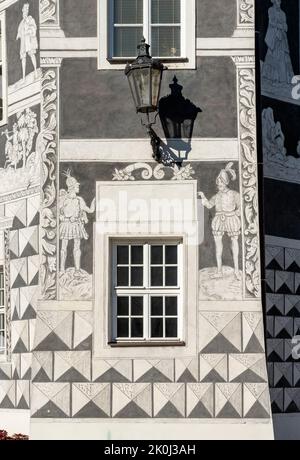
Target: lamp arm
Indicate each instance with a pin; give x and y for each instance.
(155, 144)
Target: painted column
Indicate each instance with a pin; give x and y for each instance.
(50, 174)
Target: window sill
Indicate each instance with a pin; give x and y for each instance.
(175, 343)
(120, 63)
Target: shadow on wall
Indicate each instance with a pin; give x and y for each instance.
(177, 115)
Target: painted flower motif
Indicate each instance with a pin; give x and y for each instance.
(184, 173)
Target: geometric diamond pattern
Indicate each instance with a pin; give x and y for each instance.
(42, 366)
(91, 400)
(292, 260)
(153, 370)
(220, 332)
(33, 207)
(28, 297)
(7, 394)
(283, 323)
(132, 400)
(22, 395)
(247, 368)
(50, 400)
(256, 400)
(53, 331)
(274, 258)
(83, 330)
(213, 368)
(200, 400)
(72, 366)
(228, 400)
(169, 400)
(186, 370)
(291, 400)
(28, 241)
(114, 371)
(253, 333)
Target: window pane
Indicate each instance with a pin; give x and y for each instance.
(157, 330)
(156, 276)
(156, 255)
(126, 40)
(171, 328)
(137, 276)
(128, 11)
(123, 255)
(166, 41)
(171, 276)
(137, 306)
(123, 306)
(137, 329)
(165, 11)
(137, 256)
(171, 255)
(123, 327)
(123, 276)
(171, 306)
(156, 306)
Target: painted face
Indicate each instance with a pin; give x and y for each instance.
(221, 185)
(25, 12)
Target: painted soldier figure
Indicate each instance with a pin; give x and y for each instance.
(227, 218)
(73, 218)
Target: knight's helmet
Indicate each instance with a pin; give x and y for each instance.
(71, 182)
(226, 175)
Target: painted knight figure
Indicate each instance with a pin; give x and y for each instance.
(227, 219)
(73, 218)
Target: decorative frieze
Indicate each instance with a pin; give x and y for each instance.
(248, 172)
(49, 13)
(49, 154)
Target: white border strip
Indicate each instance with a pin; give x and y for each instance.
(131, 150)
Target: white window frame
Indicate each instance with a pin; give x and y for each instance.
(147, 291)
(187, 60)
(3, 64)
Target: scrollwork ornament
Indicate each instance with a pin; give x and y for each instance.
(47, 148)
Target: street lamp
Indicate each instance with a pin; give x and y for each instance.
(144, 77)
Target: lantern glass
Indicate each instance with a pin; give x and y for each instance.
(143, 86)
(156, 83)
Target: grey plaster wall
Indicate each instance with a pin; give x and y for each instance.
(79, 18)
(98, 104)
(216, 18)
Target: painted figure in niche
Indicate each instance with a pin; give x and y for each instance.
(73, 218)
(227, 219)
(277, 67)
(278, 163)
(13, 153)
(28, 41)
(20, 141)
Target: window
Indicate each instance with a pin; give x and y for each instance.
(3, 83)
(147, 291)
(167, 26)
(2, 314)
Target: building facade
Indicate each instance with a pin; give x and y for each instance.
(280, 153)
(131, 289)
